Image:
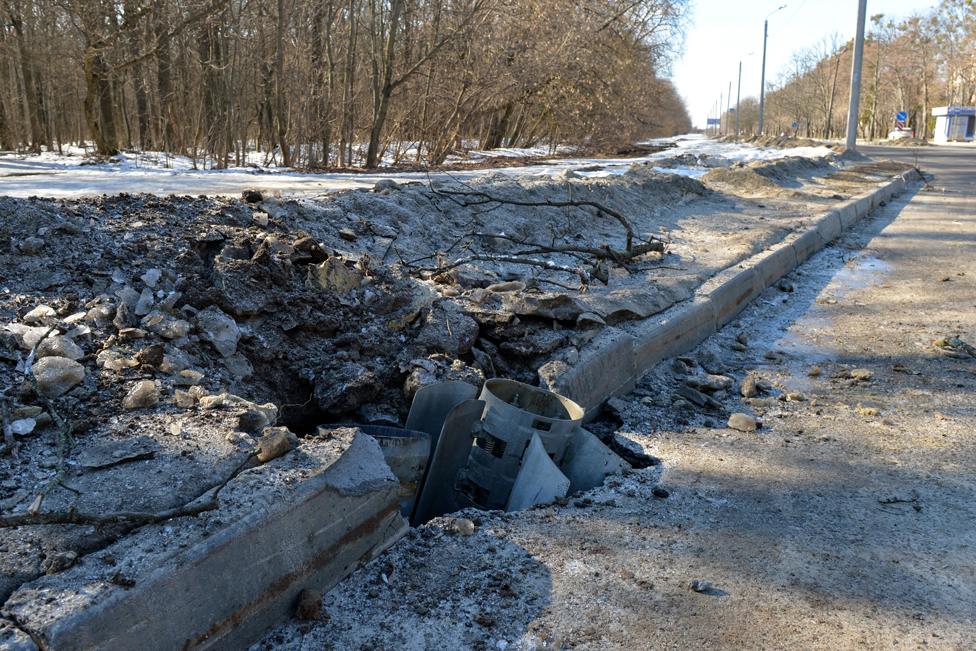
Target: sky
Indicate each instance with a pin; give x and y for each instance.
(721, 32)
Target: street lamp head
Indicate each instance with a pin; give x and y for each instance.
(780, 8)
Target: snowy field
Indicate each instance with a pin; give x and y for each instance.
(66, 176)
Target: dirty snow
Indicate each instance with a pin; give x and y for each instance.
(69, 175)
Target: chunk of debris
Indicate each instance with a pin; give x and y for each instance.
(743, 422)
(56, 376)
(219, 329)
(333, 275)
(275, 442)
(144, 393)
(60, 346)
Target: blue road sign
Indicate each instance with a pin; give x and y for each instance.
(794, 126)
(901, 116)
(714, 122)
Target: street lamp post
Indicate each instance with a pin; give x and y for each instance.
(762, 82)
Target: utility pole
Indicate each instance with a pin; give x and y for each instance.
(738, 95)
(762, 80)
(718, 130)
(728, 107)
(853, 109)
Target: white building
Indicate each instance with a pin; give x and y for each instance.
(954, 123)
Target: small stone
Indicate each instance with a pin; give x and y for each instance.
(144, 304)
(144, 393)
(239, 366)
(814, 371)
(219, 329)
(40, 314)
(28, 337)
(188, 378)
(23, 426)
(261, 218)
(111, 360)
(184, 399)
(151, 355)
(275, 442)
(785, 286)
(736, 346)
(795, 397)
(386, 185)
(57, 375)
(348, 234)
(56, 562)
(708, 382)
(861, 374)
(169, 328)
(309, 605)
(258, 417)
(129, 334)
(749, 387)
(660, 492)
(60, 347)
(151, 277)
(743, 422)
(463, 526)
(702, 586)
(866, 411)
(252, 196)
(742, 338)
(334, 276)
(31, 245)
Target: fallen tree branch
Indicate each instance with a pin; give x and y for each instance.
(207, 501)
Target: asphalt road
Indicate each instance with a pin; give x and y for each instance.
(848, 521)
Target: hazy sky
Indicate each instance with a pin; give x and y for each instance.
(721, 32)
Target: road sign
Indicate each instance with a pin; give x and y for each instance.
(901, 116)
(714, 122)
(794, 126)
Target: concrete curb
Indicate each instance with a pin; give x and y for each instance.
(223, 590)
(599, 375)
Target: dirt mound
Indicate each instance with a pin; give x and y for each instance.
(765, 178)
(780, 142)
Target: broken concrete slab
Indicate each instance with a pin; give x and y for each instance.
(606, 368)
(218, 580)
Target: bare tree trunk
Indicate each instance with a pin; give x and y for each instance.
(382, 78)
(281, 117)
(99, 108)
(166, 131)
(30, 88)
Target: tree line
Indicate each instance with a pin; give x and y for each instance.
(336, 83)
(910, 65)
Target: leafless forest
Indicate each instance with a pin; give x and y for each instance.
(336, 83)
(911, 65)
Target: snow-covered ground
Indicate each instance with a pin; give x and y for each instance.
(54, 175)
